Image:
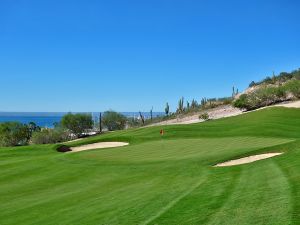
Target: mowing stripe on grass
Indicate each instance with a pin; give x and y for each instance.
(264, 190)
(172, 203)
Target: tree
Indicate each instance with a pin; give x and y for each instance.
(50, 136)
(113, 120)
(32, 127)
(77, 123)
(13, 133)
(167, 109)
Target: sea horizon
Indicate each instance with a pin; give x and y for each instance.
(48, 119)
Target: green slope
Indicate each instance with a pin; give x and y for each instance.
(157, 180)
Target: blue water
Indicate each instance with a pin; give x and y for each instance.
(44, 119)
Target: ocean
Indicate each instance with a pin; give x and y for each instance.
(47, 119)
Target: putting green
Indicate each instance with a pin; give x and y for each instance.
(157, 180)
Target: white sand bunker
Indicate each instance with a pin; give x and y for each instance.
(98, 145)
(248, 159)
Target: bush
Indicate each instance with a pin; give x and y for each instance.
(77, 123)
(293, 87)
(281, 92)
(227, 101)
(13, 133)
(261, 97)
(281, 78)
(241, 102)
(113, 120)
(204, 116)
(63, 148)
(133, 122)
(252, 84)
(50, 136)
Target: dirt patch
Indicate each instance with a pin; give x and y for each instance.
(215, 113)
(98, 145)
(248, 159)
(295, 104)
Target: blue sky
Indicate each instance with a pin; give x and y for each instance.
(131, 55)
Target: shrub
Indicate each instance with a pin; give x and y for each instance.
(204, 116)
(252, 84)
(241, 102)
(113, 120)
(50, 136)
(32, 127)
(13, 133)
(134, 122)
(281, 92)
(293, 87)
(63, 148)
(281, 78)
(266, 96)
(77, 123)
(227, 101)
(261, 97)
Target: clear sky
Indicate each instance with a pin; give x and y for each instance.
(85, 55)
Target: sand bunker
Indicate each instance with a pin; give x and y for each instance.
(98, 145)
(248, 159)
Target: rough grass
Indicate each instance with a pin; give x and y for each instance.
(161, 180)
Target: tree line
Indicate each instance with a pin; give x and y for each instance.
(72, 126)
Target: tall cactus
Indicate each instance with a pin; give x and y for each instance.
(167, 109)
(180, 108)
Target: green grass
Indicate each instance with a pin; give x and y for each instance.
(161, 180)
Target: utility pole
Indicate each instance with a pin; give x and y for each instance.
(100, 122)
